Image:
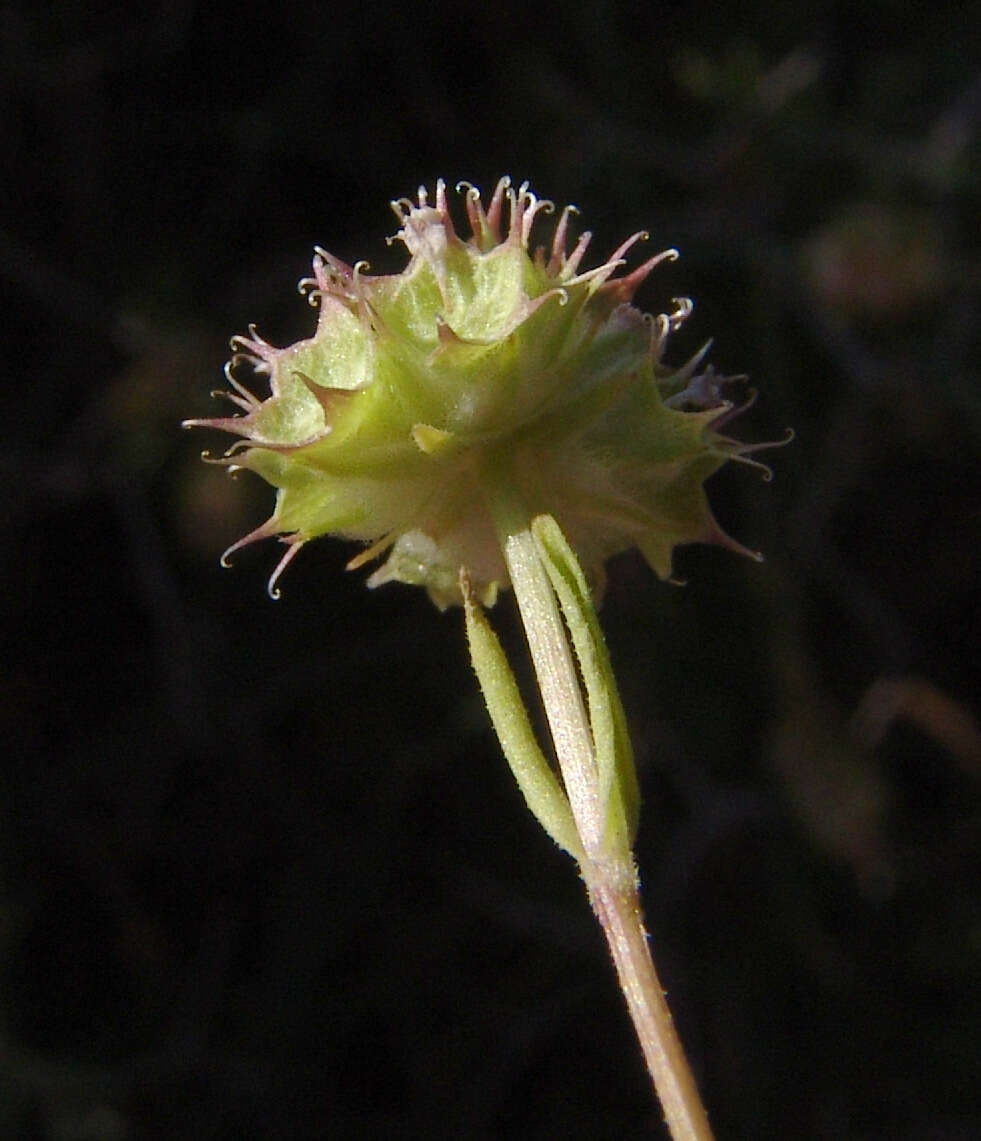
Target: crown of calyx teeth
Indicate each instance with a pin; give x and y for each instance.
(483, 352)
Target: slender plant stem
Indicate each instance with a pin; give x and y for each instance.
(616, 904)
(610, 876)
(559, 686)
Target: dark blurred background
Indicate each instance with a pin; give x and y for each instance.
(263, 872)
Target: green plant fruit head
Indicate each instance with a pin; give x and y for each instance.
(483, 357)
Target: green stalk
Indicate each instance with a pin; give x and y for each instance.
(596, 767)
(559, 686)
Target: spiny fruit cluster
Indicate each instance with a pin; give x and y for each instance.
(484, 360)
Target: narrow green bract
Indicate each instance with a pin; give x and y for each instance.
(539, 785)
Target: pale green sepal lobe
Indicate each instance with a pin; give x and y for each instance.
(538, 784)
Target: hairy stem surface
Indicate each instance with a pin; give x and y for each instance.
(616, 904)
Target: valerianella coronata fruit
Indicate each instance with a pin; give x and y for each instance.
(482, 360)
